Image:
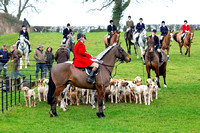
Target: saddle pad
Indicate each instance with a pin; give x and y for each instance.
(70, 62)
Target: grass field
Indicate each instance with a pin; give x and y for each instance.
(176, 110)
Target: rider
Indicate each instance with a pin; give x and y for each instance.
(24, 32)
(186, 29)
(111, 28)
(156, 45)
(66, 32)
(164, 32)
(129, 25)
(82, 59)
(140, 26)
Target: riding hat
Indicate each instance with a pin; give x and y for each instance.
(129, 16)
(163, 21)
(68, 24)
(111, 21)
(23, 26)
(140, 19)
(80, 35)
(154, 30)
(185, 21)
(40, 45)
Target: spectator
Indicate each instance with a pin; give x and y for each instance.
(26, 23)
(61, 54)
(49, 61)
(40, 57)
(4, 57)
(15, 59)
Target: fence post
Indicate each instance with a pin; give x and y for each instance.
(2, 95)
(7, 95)
(19, 87)
(11, 92)
(15, 91)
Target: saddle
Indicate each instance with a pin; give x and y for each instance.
(88, 70)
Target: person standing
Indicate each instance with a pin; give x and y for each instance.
(129, 25)
(164, 32)
(111, 28)
(61, 54)
(40, 57)
(15, 59)
(66, 32)
(26, 23)
(4, 57)
(49, 61)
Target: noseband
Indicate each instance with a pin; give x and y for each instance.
(123, 56)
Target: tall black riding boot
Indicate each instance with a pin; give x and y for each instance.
(161, 43)
(91, 78)
(182, 39)
(108, 42)
(29, 47)
(160, 57)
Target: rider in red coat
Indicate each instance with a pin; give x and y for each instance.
(186, 29)
(82, 59)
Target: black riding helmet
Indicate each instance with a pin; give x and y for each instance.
(185, 21)
(80, 35)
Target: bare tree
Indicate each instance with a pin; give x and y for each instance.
(3, 5)
(22, 5)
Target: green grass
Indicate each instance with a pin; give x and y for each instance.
(176, 110)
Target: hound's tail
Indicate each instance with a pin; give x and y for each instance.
(51, 91)
(175, 36)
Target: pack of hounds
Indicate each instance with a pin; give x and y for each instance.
(120, 90)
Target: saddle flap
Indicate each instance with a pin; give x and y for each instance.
(88, 70)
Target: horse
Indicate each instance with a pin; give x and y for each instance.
(152, 62)
(66, 73)
(166, 42)
(128, 39)
(70, 43)
(186, 41)
(142, 42)
(113, 39)
(23, 48)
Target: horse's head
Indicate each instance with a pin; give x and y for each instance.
(117, 35)
(71, 37)
(171, 35)
(144, 34)
(121, 54)
(150, 48)
(21, 40)
(191, 35)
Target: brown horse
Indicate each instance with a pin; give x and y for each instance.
(65, 73)
(113, 39)
(186, 41)
(128, 40)
(152, 62)
(166, 42)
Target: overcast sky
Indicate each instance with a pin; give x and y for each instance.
(61, 12)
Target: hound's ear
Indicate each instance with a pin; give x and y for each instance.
(153, 79)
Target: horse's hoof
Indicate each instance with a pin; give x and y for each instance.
(104, 107)
(102, 114)
(165, 86)
(99, 115)
(50, 114)
(93, 107)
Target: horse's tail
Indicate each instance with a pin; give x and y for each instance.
(51, 91)
(175, 36)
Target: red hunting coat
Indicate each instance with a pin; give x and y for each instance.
(81, 57)
(184, 27)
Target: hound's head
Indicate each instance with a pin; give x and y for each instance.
(149, 85)
(124, 83)
(46, 81)
(114, 82)
(138, 79)
(26, 89)
(155, 79)
(149, 80)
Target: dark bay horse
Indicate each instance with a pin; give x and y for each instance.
(166, 42)
(152, 62)
(65, 73)
(186, 41)
(113, 39)
(128, 40)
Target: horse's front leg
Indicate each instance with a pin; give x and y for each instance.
(21, 63)
(180, 45)
(26, 60)
(167, 54)
(100, 94)
(148, 71)
(141, 52)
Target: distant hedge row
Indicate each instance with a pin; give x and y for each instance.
(175, 27)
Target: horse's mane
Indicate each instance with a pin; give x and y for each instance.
(102, 54)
